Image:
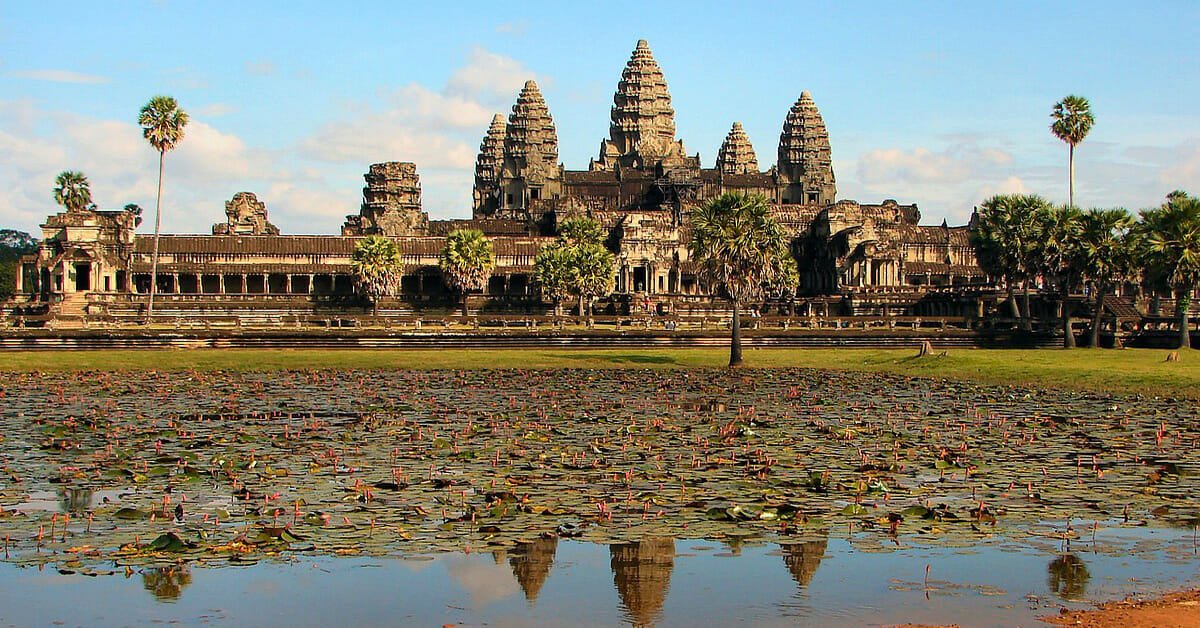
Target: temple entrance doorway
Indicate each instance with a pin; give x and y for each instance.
(83, 276)
(639, 279)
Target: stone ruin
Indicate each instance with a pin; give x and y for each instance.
(245, 215)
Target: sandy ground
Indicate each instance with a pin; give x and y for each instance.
(1177, 610)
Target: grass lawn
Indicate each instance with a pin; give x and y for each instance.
(1131, 370)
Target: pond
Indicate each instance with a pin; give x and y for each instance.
(584, 497)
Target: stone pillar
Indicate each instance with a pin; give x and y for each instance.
(175, 282)
(287, 283)
(312, 281)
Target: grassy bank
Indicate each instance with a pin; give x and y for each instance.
(1131, 370)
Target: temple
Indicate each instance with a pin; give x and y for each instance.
(641, 186)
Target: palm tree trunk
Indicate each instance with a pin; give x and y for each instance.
(1027, 317)
(1071, 193)
(1068, 332)
(1012, 299)
(464, 305)
(1185, 302)
(581, 312)
(154, 254)
(1097, 316)
(735, 340)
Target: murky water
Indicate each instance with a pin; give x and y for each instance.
(552, 498)
(855, 581)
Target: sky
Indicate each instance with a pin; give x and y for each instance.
(942, 104)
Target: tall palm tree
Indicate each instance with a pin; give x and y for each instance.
(162, 123)
(594, 274)
(1170, 240)
(1073, 120)
(1104, 249)
(72, 190)
(554, 269)
(736, 244)
(378, 267)
(1057, 257)
(1004, 235)
(467, 262)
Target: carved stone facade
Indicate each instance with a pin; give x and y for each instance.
(391, 203)
(245, 215)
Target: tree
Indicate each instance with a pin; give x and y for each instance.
(1072, 121)
(554, 270)
(13, 245)
(1170, 249)
(378, 268)
(580, 230)
(1057, 257)
(737, 246)
(593, 264)
(1105, 257)
(162, 123)
(1004, 235)
(72, 191)
(593, 276)
(467, 262)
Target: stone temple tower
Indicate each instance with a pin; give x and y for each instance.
(530, 171)
(805, 168)
(391, 203)
(642, 132)
(487, 169)
(737, 155)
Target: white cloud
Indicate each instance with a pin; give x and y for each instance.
(439, 130)
(261, 67)
(516, 29)
(60, 76)
(215, 110)
(955, 164)
(488, 75)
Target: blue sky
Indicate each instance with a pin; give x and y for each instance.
(941, 104)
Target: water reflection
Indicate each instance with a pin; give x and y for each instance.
(531, 564)
(76, 501)
(642, 575)
(1068, 577)
(166, 583)
(802, 559)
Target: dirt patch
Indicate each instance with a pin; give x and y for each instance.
(1177, 610)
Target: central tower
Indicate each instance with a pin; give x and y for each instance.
(642, 132)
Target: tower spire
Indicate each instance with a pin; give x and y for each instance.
(805, 163)
(642, 128)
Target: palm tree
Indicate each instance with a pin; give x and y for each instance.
(580, 230)
(593, 277)
(736, 245)
(1072, 121)
(1004, 234)
(1104, 250)
(162, 123)
(467, 262)
(378, 267)
(1057, 257)
(554, 268)
(72, 190)
(1170, 242)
